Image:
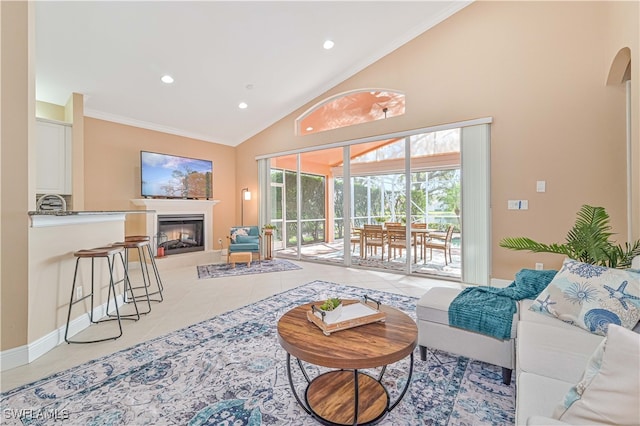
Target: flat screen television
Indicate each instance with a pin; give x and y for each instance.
(171, 176)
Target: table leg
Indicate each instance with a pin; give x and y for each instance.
(329, 380)
(293, 388)
(406, 385)
(355, 398)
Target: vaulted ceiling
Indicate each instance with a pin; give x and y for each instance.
(266, 54)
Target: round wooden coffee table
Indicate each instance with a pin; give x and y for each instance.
(347, 396)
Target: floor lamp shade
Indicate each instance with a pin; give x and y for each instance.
(245, 196)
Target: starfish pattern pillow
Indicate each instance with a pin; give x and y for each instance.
(592, 297)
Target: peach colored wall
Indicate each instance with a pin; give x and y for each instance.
(544, 86)
(112, 169)
(625, 32)
(17, 118)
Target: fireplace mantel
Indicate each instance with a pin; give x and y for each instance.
(162, 204)
(179, 206)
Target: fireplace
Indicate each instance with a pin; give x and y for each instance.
(180, 233)
(176, 207)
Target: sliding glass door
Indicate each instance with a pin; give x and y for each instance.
(277, 205)
(409, 186)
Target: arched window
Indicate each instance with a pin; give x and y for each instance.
(347, 109)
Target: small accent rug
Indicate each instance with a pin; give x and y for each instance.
(230, 370)
(226, 270)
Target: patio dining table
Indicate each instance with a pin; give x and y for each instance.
(424, 233)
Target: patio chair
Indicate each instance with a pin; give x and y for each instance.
(244, 239)
(397, 239)
(373, 237)
(438, 242)
(421, 237)
(355, 238)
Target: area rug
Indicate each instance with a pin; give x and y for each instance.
(230, 369)
(226, 270)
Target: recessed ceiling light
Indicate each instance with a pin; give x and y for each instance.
(242, 105)
(167, 79)
(328, 44)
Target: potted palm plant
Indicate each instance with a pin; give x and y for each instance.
(588, 241)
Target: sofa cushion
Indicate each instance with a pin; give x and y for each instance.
(556, 352)
(537, 396)
(609, 390)
(592, 297)
(433, 306)
(243, 247)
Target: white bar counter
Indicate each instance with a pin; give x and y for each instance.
(53, 238)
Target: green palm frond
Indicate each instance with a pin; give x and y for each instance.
(621, 257)
(589, 237)
(587, 241)
(524, 243)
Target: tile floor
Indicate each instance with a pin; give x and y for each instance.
(188, 300)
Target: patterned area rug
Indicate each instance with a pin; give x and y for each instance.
(231, 370)
(226, 270)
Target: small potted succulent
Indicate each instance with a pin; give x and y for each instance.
(268, 228)
(331, 309)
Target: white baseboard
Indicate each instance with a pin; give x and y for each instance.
(15, 357)
(25, 354)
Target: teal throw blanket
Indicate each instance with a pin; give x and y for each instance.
(489, 310)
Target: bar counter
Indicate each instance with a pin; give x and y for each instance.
(42, 218)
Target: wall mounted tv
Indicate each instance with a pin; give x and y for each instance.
(171, 176)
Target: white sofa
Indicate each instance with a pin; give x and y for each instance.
(434, 332)
(549, 355)
(550, 358)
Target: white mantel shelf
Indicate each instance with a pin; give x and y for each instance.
(173, 204)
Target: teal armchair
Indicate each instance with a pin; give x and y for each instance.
(244, 239)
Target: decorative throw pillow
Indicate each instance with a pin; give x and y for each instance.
(592, 297)
(609, 390)
(246, 239)
(238, 231)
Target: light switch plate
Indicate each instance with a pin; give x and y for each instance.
(541, 186)
(518, 205)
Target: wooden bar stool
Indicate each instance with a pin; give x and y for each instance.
(108, 253)
(144, 268)
(152, 260)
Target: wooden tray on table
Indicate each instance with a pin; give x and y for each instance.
(354, 313)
